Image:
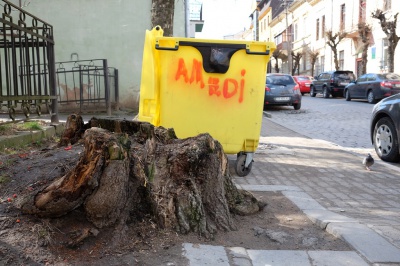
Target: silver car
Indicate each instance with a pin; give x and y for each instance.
(385, 128)
(282, 89)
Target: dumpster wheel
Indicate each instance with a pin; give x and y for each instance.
(240, 165)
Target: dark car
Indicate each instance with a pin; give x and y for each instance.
(385, 128)
(282, 89)
(331, 83)
(304, 83)
(373, 87)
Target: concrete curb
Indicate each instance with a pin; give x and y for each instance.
(364, 240)
(28, 137)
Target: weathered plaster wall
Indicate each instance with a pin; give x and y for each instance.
(110, 29)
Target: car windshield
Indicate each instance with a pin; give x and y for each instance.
(280, 80)
(389, 76)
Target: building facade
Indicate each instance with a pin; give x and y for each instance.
(300, 26)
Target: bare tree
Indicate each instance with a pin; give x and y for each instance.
(333, 41)
(313, 59)
(389, 28)
(364, 30)
(162, 14)
(276, 55)
(296, 60)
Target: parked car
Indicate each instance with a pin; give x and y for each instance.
(331, 83)
(304, 83)
(282, 89)
(385, 128)
(373, 87)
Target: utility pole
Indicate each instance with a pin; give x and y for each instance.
(286, 4)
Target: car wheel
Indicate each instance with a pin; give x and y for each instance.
(312, 92)
(385, 140)
(302, 94)
(347, 95)
(371, 97)
(297, 106)
(325, 93)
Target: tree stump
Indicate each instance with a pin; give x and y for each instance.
(130, 169)
(74, 129)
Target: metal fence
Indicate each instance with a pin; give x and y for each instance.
(27, 65)
(87, 85)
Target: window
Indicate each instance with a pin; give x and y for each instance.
(296, 36)
(304, 26)
(322, 63)
(323, 27)
(387, 5)
(363, 78)
(317, 30)
(371, 77)
(342, 16)
(341, 60)
(305, 61)
(384, 61)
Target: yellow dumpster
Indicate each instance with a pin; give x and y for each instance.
(206, 86)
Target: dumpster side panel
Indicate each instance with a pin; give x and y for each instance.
(191, 88)
(149, 86)
(228, 106)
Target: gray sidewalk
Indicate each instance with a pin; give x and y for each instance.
(331, 186)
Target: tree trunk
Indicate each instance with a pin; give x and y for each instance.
(163, 15)
(389, 28)
(145, 170)
(364, 30)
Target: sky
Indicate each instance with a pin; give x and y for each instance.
(225, 17)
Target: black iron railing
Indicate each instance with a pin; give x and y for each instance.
(27, 64)
(87, 85)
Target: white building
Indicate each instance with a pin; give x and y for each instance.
(300, 26)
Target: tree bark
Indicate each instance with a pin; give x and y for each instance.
(313, 59)
(333, 41)
(364, 30)
(163, 15)
(389, 28)
(145, 170)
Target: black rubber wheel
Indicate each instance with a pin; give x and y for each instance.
(385, 140)
(312, 92)
(371, 97)
(297, 106)
(325, 93)
(347, 95)
(240, 168)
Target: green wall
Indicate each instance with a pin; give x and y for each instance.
(104, 29)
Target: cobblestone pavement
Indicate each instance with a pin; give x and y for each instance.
(335, 178)
(334, 120)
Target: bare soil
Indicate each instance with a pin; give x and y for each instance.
(29, 240)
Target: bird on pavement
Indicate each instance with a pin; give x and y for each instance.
(368, 161)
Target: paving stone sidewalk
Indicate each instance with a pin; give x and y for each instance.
(333, 188)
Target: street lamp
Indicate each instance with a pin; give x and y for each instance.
(286, 4)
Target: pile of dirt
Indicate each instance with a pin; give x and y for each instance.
(30, 240)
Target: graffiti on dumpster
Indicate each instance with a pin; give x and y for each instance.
(221, 87)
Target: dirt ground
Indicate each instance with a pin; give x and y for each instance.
(28, 240)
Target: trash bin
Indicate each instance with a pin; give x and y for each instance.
(206, 86)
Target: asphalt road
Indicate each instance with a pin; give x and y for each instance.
(335, 120)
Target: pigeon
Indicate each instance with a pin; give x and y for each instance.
(368, 161)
